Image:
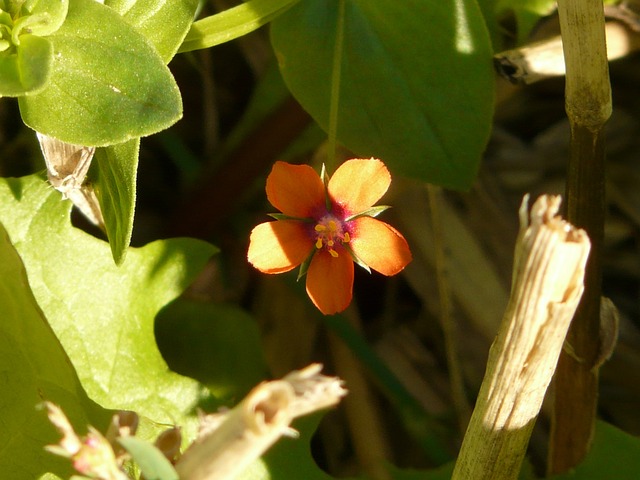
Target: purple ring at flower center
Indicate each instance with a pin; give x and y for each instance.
(330, 231)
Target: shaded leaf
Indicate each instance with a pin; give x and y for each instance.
(219, 345)
(614, 454)
(418, 98)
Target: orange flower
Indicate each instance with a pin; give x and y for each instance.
(326, 225)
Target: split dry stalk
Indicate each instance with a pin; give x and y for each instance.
(550, 258)
(588, 106)
(230, 441)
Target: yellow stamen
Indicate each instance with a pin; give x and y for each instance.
(329, 234)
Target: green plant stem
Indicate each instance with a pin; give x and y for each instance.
(463, 410)
(424, 428)
(366, 430)
(588, 106)
(336, 73)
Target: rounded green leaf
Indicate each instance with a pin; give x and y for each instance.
(27, 69)
(107, 83)
(416, 80)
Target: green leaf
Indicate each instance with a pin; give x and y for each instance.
(369, 212)
(41, 18)
(164, 22)
(25, 62)
(219, 345)
(33, 368)
(526, 12)
(290, 457)
(27, 69)
(107, 83)
(153, 464)
(116, 191)
(233, 23)
(104, 314)
(614, 454)
(419, 98)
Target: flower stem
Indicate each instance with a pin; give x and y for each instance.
(334, 99)
(458, 395)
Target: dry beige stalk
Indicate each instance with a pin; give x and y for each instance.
(550, 258)
(544, 59)
(242, 434)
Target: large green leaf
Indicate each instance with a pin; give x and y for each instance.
(33, 368)
(416, 80)
(107, 82)
(104, 314)
(115, 186)
(164, 22)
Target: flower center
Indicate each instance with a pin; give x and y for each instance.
(329, 233)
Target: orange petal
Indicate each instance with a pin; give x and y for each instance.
(359, 183)
(295, 190)
(330, 281)
(279, 246)
(379, 245)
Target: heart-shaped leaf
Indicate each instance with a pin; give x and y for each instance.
(104, 314)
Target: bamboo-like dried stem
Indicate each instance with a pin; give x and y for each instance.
(234, 439)
(588, 106)
(550, 258)
(544, 59)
